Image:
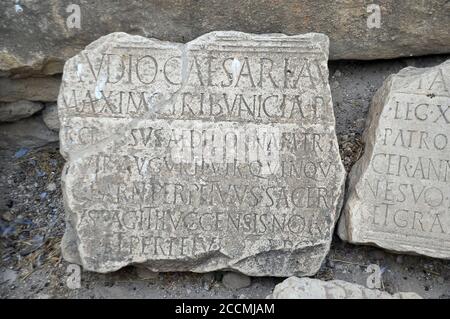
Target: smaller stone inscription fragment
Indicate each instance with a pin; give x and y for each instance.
(218, 154)
(399, 191)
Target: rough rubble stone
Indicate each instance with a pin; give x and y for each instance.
(399, 190)
(10, 112)
(8, 276)
(43, 89)
(404, 29)
(145, 274)
(308, 288)
(30, 132)
(233, 280)
(220, 154)
(50, 116)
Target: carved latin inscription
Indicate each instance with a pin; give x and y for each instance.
(217, 154)
(400, 189)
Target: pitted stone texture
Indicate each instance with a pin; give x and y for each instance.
(399, 190)
(308, 288)
(220, 154)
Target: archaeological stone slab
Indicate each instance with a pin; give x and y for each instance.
(216, 154)
(399, 191)
(310, 288)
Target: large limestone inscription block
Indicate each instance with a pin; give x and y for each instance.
(216, 154)
(399, 191)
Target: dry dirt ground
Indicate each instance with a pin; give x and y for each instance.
(32, 222)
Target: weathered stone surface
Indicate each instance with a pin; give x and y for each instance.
(145, 274)
(404, 30)
(30, 132)
(308, 288)
(234, 280)
(399, 190)
(217, 154)
(8, 276)
(33, 89)
(50, 116)
(10, 112)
